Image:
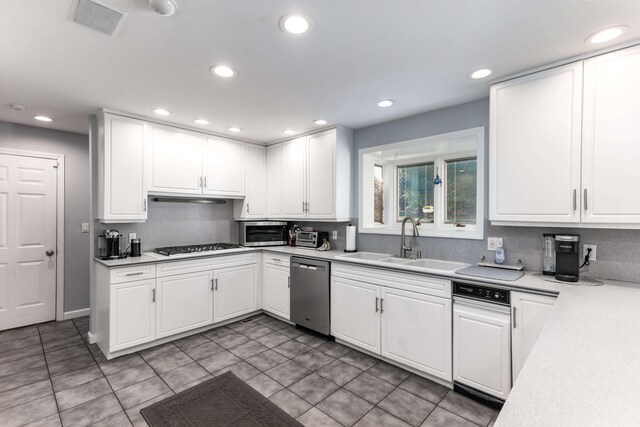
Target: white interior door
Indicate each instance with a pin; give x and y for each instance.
(27, 235)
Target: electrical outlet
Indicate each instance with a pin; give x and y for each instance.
(85, 227)
(493, 243)
(132, 236)
(334, 234)
(585, 249)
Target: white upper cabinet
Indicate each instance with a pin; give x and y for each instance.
(122, 195)
(534, 149)
(316, 177)
(174, 160)
(611, 138)
(223, 167)
(565, 145)
(254, 204)
(294, 178)
(275, 168)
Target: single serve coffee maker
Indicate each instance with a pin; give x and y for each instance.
(109, 245)
(567, 257)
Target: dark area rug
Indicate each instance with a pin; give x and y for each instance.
(222, 401)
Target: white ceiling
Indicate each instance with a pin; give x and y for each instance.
(417, 52)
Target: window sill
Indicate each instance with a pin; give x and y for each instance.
(468, 234)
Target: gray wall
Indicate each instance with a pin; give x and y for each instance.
(75, 148)
(618, 251)
(171, 224)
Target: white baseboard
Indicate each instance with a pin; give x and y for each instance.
(91, 337)
(76, 313)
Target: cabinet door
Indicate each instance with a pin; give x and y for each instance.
(123, 194)
(481, 343)
(274, 180)
(235, 291)
(529, 314)
(293, 178)
(254, 204)
(355, 313)
(277, 290)
(174, 161)
(416, 331)
(223, 167)
(132, 314)
(611, 138)
(534, 150)
(184, 302)
(321, 175)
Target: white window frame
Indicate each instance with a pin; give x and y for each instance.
(438, 228)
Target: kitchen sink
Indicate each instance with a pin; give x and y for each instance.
(368, 256)
(396, 260)
(437, 264)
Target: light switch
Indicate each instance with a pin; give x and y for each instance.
(85, 227)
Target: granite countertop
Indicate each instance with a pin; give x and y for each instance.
(583, 369)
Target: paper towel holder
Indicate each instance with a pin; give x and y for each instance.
(353, 250)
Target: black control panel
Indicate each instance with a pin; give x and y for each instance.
(484, 293)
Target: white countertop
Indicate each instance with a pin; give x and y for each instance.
(584, 370)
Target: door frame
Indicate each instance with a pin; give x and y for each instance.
(59, 309)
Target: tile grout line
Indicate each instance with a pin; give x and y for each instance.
(46, 364)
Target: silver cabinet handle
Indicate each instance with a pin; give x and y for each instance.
(381, 305)
(303, 207)
(248, 210)
(289, 282)
(211, 284)
(144, 202)
(585, 200)
(575, 199)
(514, 317)
(153, 295)
(216, 284)
(377, 304)
(200, 182)
(134, 274)
(307, 206)
(205, 181)
(276, 259)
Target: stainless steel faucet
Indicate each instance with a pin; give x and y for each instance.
(403, 244)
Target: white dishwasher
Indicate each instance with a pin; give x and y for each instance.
(482, 341)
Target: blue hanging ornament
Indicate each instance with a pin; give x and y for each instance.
(437, 181)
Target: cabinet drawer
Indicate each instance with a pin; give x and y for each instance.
(283, 260)
(184, 267)
(129, 274)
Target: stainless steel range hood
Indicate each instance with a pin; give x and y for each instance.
(201, 200)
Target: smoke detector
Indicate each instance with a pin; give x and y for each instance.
(163, 7)
(98, 16)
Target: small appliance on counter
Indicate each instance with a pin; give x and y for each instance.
(135, 247)
(109, 245)
(311, 239)
(263, 233)
(549, 256)
(567, 257)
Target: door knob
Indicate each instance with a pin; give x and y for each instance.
(49, 253)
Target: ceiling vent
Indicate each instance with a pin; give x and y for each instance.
(98, 16)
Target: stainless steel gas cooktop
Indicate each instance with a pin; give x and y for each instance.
(188, 249)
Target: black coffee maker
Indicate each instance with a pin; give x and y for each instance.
(109, 245)
(567, 257)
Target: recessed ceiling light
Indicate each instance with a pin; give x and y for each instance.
(607, 34)
(202, 121)
(43, 118)
(320, 122)
(223, 71)
(480, 74)
(163, 7)
(295, 24)
(161, 111)
(289, 131)
(235, 129)
(384, 103)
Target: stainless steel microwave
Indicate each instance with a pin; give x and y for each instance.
(263, 233)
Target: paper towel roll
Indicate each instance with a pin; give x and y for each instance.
(351, 238)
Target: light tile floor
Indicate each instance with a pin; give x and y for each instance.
(50, 376)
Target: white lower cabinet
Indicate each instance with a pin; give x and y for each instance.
(132, 314)
(235, 291)
(416, 331)
(183, 302)
(277, 286)
(529, 314)
(355, 313)
(395, 315)
(481, 347)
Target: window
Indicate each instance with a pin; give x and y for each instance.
(437, 180)
(415, 191)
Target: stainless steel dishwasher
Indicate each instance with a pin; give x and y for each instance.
(310, 294)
